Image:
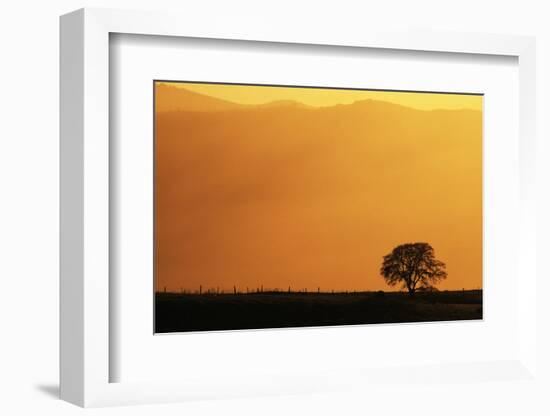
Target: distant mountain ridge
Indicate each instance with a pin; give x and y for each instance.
(174, 99)
(284, 103)
(170, 98)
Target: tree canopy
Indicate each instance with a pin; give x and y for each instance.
(414, 266)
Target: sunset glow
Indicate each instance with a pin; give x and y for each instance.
(326, 97)
(309, 188)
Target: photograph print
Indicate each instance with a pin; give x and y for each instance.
(286, 206)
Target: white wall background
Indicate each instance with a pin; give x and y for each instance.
(29, 205)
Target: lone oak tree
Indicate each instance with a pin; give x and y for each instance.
(414, 266)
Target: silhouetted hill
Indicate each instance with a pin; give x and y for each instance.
(182, 313)
(284, 103)
(171, 98)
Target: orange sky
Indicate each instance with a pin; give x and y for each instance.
(323, 97)
(311, 187)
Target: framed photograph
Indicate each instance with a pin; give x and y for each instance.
(287, 206)
(265, 212)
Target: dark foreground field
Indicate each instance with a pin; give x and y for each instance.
(188, 312)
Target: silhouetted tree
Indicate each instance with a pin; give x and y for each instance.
(414, 266)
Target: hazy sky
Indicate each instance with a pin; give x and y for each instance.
(319, 97)
(286, 195)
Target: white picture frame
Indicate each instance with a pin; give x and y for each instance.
(85, 355)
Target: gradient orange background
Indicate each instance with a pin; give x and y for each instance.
(302, 187)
